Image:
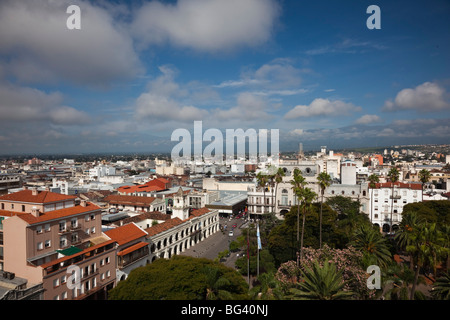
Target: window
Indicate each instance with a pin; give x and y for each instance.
(74, 223)
(86, 218)
(93, 230)
(56, 282)
(47, 227)
(40, 246)
(12, 205)
(62, 242)
(23, 208)
(74, 237)
(39, 229)
(62, 226)
(48, 243)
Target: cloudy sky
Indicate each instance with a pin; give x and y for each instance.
(137, 70)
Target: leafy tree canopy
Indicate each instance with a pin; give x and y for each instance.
(180, 278)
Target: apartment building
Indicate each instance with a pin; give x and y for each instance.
(391, 197)
(279, 199)
(48, 238)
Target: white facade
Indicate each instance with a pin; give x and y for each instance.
(384, 199)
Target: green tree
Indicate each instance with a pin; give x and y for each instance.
(262, 180)
(373, 246)
(424, 177)
(180, 278)
(306, 196)
(267, 288)
(216, 284)
(393, 176)
(321, 283)
(441, 288)
(278, 178)
(298, 182)
(324, 181)
(427, 248)
(373, 180)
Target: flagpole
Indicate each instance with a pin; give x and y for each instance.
(258, 239)
(248, 256)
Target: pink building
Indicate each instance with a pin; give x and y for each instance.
(48, 238)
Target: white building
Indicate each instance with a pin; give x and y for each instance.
(384, 199)
(101, 171)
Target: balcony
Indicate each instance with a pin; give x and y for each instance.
(395, 197)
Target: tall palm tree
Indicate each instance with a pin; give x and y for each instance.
(306, 196)
(373, 180)
(298, 182)
(424, 176)
(262, 180)
(321, 283)
(324, 181)
(408, 226)
(393, 176)
(278, 178)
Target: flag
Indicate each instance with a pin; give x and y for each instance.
(258, 236)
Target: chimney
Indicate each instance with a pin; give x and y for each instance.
(35, 212)
(83, 203)
(34, 191)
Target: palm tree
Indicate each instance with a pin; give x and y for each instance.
(441, 288)
(409, 225)
(393, 177)
(278, 177)
(262, 180)
(216, 284)
(427, 248)
(324, 181)
(321, 283)
(298, 182)
(373, 246)
(424, 176)
(269, 288)
(306, 196)
(373, 180)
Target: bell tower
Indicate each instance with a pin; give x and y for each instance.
(180, 208)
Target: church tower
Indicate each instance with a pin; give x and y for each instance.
(180, 207)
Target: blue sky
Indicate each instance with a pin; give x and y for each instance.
(137, 70)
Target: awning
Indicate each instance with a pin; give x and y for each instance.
(69, 251)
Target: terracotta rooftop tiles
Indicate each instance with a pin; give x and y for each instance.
(40, 197)
(57, 214)
(158, 228)
(130, 200)
(414, 186)
(126, 233)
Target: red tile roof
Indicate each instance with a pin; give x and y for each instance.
(158, 228)
(414, 186)
(126, 233)
(199, 212)
(138, 188)
(132, 248)
(41, 197)
(57, 214)
(130, 200)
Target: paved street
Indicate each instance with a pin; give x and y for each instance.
(211, 246)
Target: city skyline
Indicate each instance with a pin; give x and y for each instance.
(137, 70)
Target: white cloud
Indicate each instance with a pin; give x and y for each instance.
(368, 119)
(322, 107)
(206, 25)
(426, 97)
(40, 47)
(23, 104)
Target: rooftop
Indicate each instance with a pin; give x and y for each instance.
(40, 197)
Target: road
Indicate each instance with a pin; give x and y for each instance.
(218, 242)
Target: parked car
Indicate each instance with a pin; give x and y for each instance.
(231, 233)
